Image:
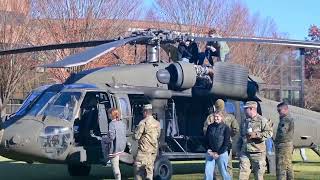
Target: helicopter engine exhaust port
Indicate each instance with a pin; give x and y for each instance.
(224, 79)
(179, 76)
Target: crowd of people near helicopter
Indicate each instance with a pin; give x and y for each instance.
(255, 133)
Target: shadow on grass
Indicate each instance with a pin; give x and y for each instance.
(313, 163)
(188, 168)
(17, 170)
(191, 170)
(13, 171)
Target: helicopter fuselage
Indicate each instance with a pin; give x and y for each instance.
(65, 123)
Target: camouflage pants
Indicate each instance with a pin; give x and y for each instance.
(284, 167)
(258, 163)
(217, 172)
(143, 165)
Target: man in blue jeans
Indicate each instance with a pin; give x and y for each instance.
(222, 163)
(218, 144)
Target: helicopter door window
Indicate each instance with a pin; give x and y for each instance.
(243, 115)
(125, 110)
(230, 108)
(136, 114)
(124, 107)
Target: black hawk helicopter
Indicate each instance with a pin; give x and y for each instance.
(64, 123)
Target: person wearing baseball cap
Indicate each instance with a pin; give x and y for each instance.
(254, 131)
(147, 134)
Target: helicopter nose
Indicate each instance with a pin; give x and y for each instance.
(20, 137)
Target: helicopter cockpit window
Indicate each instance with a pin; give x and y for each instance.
(44, 99)
(63, 106)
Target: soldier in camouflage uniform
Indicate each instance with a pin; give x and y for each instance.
(283, 143)
(147, 134)
(230, 121)
(254, 130)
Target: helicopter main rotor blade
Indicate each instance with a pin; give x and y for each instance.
(55, 46)
(92, 53)
(281, 42)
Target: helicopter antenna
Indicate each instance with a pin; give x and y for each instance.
(118, 58)
(159, 50)
(135, 53)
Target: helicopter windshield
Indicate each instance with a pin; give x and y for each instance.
(30, 99)
(63, 105)
(40, 103)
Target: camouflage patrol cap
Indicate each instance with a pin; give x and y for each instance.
(251, 104)
(147, 106)
(219, 105)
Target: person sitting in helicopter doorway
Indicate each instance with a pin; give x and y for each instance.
(218, 144)
(183, 51)
(117, 137)
(218, 49)
(194, 51)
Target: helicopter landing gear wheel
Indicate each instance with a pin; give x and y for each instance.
(162, 168)
(79, 169)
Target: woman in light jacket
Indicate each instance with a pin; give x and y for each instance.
(118, 140)
(218, 144)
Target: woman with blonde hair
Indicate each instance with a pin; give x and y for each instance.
(118, 140)
(218, 144)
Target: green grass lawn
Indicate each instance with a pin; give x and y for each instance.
(11, 170)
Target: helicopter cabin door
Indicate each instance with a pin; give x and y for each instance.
(92, 123)
(103, 126)
(123, 104)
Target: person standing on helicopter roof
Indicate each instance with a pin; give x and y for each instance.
(219, 49)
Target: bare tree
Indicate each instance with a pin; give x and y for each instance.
(189, 12)
(61, 21)
(14, 32)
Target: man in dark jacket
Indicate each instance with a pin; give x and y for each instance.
(183, 52)
(218, 144)
(231, 122)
